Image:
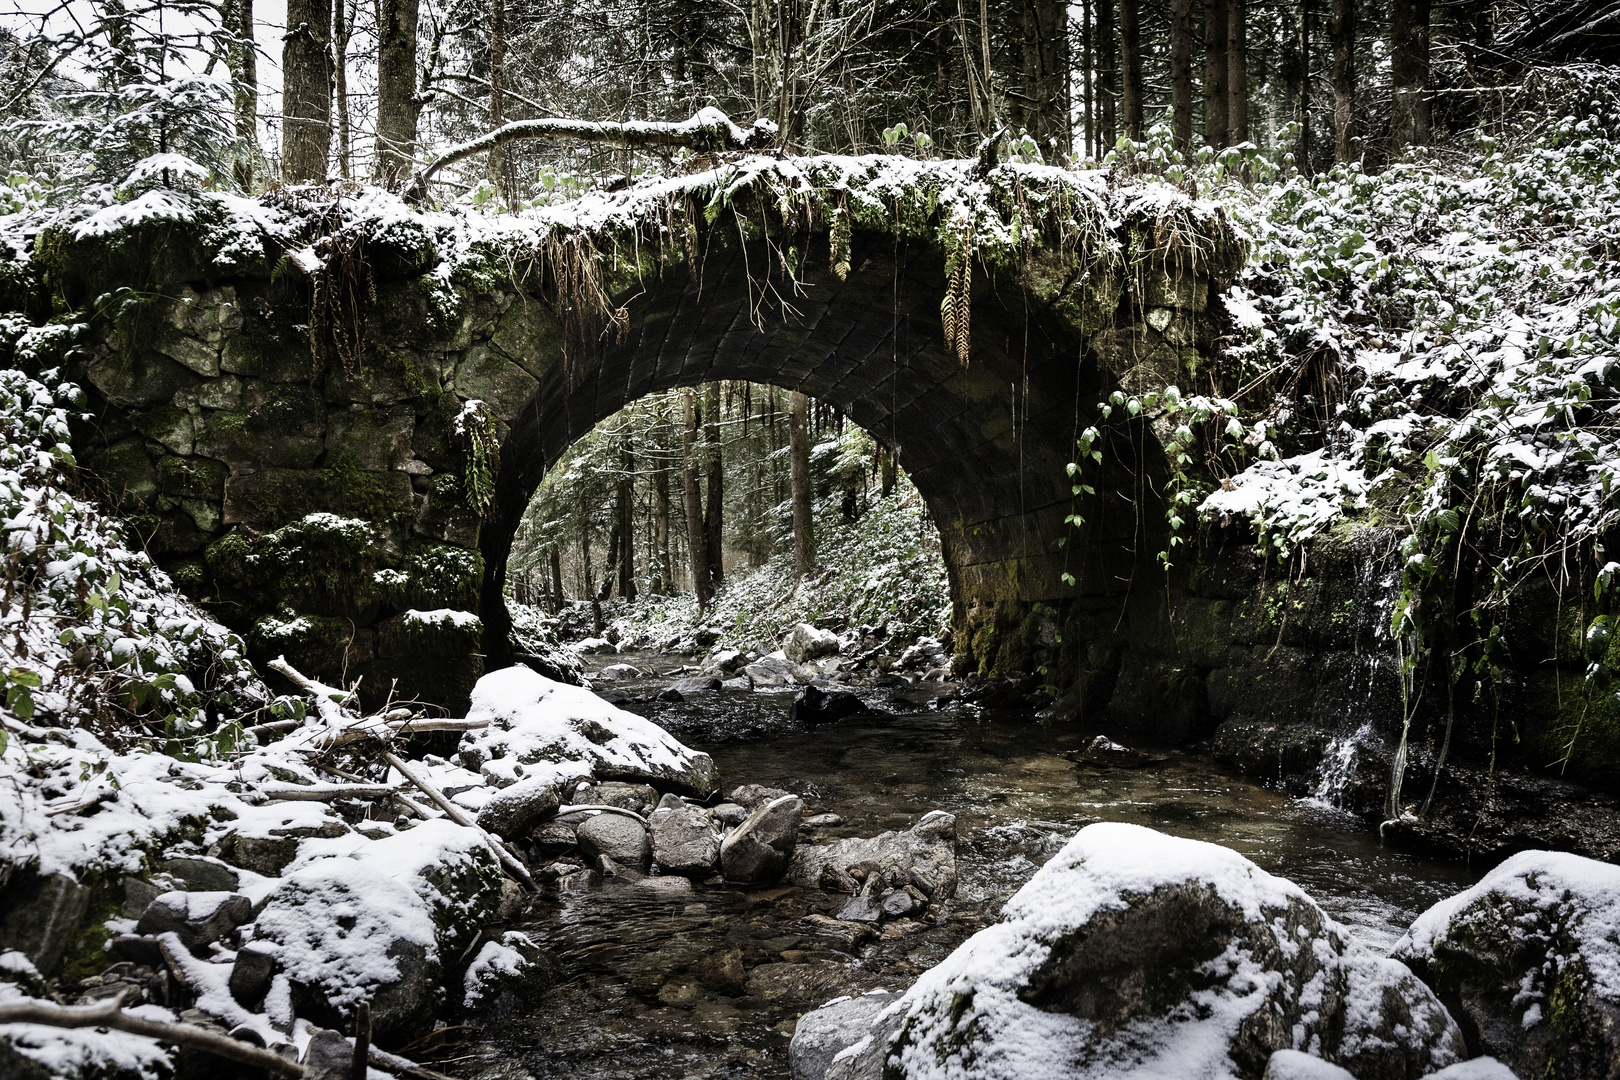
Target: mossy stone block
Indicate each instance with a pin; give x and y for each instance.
(491, 378)
(269, 498)
(443, 633)
(171, 427)
(376, 440)
(137, 381)
(127, 472)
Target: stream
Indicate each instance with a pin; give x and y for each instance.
(709, 982)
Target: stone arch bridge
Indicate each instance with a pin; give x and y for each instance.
(325, 412)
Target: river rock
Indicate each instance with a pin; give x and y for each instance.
(507, 974)
(622, 839)
(737, 683)
(770, 671)
(1104, 753)
(1296, 1065)
(685, 688)
(558, 732)
(684, 840)
(40, 915)
(329, 1056)
(926, 853)
(382, 923)
(201, 875)
(812, 705)
(724, 662)
(252, 971)
(804, 643)
(1530, 959)
(616, 672)
(730, 814)
(759, 849)
(753, 796)
(637, 798)
(1179, 956)
(198, 918)
(822, 1034)
(513, 811)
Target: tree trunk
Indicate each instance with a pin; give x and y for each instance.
(1343, 31)
(1237, 72)
(603, 590)
(1107, 79)
(1130, 58)
(1409, 73)
(590, 574)
(397, 106)
(1303, 114)
(889, 471)
(1181, 74)
(627, 523)
(306, 91)
(497, 75)
(342, 29)
(1044, 107)
(245, 70)
(713, 516)
(1215, 73)
(804, 541)
(1087, 77)
(696, 539)
(666, 573)
(556, 580)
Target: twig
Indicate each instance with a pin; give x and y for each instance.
(459, 816)
(561, 810)
(110, 1014)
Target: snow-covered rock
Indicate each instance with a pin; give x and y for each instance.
(1530, 956)
(381, 924)
(615, 672)
(823, 1033)
(804, 642)
(1135, 954)
(546, 729)
(505, 973)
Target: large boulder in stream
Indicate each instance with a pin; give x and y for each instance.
(540, 729)
(384, 922)
(1529, 961)
(1136, 953)
(685, 840)
(758, 850)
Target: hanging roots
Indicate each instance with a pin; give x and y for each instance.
(582, 307)
(956, 309)
(344, 292)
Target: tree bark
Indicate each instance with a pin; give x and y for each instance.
(245, 70)
(1215, 73)
(585, 557)
(627, 523)
(306, 91)
(696, 538)
(342, 31)
(1107, 79)
(804, 541)
(556, 580)
(1237, 74)
(1044, 58)
(1303, 113)
(1409, 74)
(1130, 56)
(889, 471)
(1181, 74)
(1343, 31)
(713, 517)
(497, 75)
(1087, 79)
(397, 107)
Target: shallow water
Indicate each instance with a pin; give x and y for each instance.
(709, 983)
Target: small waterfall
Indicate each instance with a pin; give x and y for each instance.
(1333, 776)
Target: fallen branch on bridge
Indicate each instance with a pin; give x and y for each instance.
(708, 129)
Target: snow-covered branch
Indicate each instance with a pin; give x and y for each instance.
(708, 129)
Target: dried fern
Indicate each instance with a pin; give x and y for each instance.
(955, 311)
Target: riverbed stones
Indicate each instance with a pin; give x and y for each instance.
(925, 854)
(1529, 959)
(197, 918)
(1133, 944)
(620, 838)
(757, 852)
(685, 840)
(753, 796)
(513, 811)
(40, 916)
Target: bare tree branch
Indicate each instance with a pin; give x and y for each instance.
(708, 129)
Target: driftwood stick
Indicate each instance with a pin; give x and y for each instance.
(362, 1041)
(576, 808)
(110, 1014)
(393, 1063)
(325, 792)
(459, 816)
(331, 711)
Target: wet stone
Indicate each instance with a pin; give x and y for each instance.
(622, 839)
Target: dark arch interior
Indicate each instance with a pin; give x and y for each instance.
(986, 444)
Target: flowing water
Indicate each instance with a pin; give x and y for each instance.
(709, 983)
